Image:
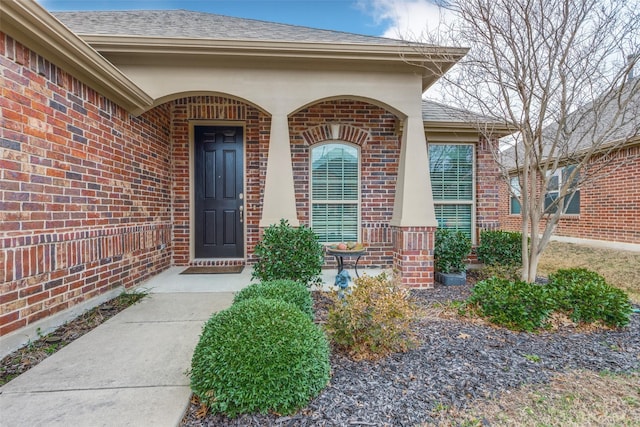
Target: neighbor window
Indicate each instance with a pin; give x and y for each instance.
(572, 199)
(514, 195)
(335, 192)
(452, 171)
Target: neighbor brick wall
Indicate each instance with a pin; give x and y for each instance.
(85, 202)
(608, 205)
(373, 129)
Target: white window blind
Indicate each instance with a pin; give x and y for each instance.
(335, 192)
(451, 171)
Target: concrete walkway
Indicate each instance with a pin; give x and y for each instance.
(129, 371)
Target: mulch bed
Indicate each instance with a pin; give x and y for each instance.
(459, 360)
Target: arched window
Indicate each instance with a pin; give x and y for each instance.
(335, 192)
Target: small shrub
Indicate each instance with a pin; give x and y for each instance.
(374, 320)
(451, 250)
(287, 252)
(585, 296)
(285, 290)
(259, 355)
(516, 305)
(500, 247)
(509, 272)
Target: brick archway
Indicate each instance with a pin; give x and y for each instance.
(335, 131)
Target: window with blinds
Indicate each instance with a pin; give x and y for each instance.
(335, 192)
(452, 170)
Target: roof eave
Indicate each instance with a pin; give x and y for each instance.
(33, 26)
(618, 144)
(183, 45)
(494, 130)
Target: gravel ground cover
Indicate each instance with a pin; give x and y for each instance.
(459, 360)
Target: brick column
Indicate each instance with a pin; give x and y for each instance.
(413, 255)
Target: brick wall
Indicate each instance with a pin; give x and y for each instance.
(608, 205)
(373, 129)
(488, 180)
(85, 196)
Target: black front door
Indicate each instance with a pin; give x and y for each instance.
(218, 192)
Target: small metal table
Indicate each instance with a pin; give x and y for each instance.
(341, 254)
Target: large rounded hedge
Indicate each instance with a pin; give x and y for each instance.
(259, 355)
(283, 289)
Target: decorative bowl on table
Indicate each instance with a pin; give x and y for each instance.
(346, 247)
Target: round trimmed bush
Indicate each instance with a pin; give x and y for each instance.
(259, 355)
(284, 289)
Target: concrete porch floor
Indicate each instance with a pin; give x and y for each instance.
(171, 281)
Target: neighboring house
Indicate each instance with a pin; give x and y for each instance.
(133, 141)
(603, 208)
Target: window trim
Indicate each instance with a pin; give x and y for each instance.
(512, 198)
(358, 202)
(474, 172)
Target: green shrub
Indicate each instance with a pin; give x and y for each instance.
(509, 272)
(373, 320)
(287, 252)
(284, 289)
(500, 247)
(259, 355)
(451, 250)
(585, 296)
(516, 305)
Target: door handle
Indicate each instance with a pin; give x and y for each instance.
(241, 214)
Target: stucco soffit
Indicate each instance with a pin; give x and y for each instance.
(32, 25)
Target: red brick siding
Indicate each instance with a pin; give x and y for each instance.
(488, 179)
(608, 205)
(84, 190)
(374, 130)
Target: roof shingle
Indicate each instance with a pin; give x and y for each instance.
(201, 25)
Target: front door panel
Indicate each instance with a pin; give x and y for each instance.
(218, 192)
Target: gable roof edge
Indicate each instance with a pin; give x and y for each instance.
(32, 25)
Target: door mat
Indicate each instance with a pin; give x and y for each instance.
(214, 269)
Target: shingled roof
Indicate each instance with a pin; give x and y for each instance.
(613, 119)
(201, 25)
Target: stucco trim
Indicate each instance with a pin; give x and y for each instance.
(427, 60)
(30, 24)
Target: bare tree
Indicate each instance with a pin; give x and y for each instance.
(560, 74)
